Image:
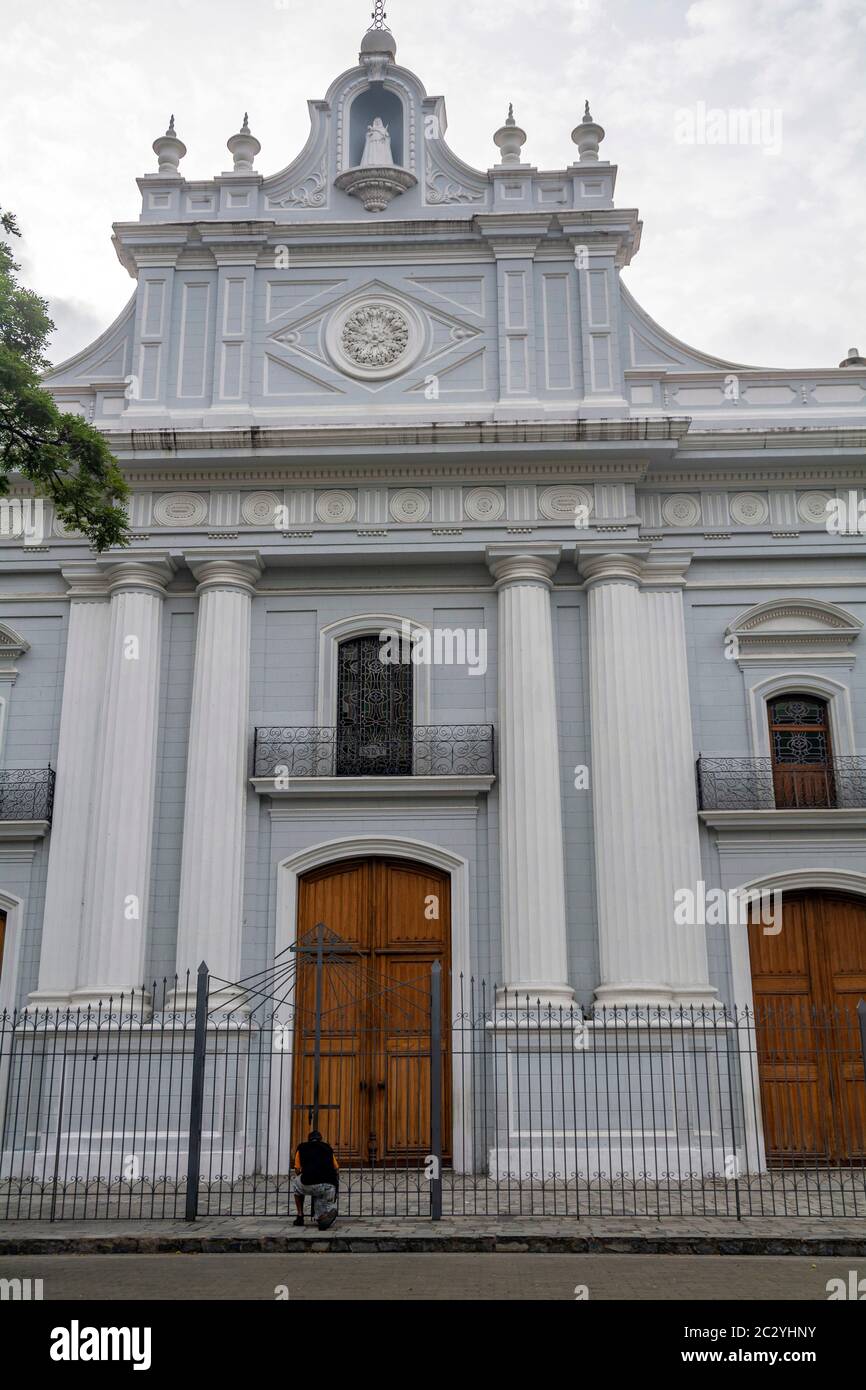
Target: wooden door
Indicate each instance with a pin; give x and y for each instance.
(807, 982)
(801, 752)
(393, 921)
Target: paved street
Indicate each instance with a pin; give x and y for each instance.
(441, 1277)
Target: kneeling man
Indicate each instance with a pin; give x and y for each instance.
(317, 1176)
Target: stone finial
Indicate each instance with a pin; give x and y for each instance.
(510, 139)
(169, 150)
(587, 136)
(853, 359)
(378, 52)
(243, 147)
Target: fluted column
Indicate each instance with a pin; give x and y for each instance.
(642, 777)
(83, 682)
(121, 828)
(212, 870)
(530, 812)
(632, 960)
(678, 849)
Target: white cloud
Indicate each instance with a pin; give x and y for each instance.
(753, 257)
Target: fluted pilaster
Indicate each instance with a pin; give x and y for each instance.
(212, 870)
(118, 878)
(677, 840)
(645, 818)
(530, 813)
(83, 684)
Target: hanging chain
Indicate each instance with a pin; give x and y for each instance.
(379, 16)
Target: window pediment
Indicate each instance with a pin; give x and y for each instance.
(780, 629)
(12, 648)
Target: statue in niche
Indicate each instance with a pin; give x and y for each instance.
(377, 149)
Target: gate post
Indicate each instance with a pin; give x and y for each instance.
(196, 1099)
(436, 1090)
(861, 1012)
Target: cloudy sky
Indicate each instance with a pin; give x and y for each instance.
(753, 250)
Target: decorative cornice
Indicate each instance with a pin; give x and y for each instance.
(255, 441)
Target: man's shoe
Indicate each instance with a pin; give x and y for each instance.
(326, 1222)
(298, 1221)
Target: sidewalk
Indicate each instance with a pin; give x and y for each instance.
(469, 1235)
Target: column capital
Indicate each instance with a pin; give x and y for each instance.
(599, 564)
(517, 564)
(648, 568)
(225, 569)
(667, 569)
(151, 571)
(87, 580)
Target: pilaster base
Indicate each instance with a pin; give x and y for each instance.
(126, 1001)
(640, 996)
(228, 1000)
(534, 997)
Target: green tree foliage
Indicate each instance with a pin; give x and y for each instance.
(64, 457)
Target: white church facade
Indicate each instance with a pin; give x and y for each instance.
(384, 398)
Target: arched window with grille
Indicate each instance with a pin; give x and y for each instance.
(374, 711)
(801, 751)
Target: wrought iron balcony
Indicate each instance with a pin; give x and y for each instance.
(759, 784)
(460, 750)
(26, 793)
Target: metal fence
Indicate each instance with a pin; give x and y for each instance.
(762, 784)
(26, 793)
(480, 1105)
(439, 750)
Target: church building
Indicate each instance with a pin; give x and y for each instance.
(466, 611)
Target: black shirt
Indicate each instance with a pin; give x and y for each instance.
(316, 1163)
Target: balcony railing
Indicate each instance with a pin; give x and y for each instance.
(759, 784)
(460, 750)
(26, 793)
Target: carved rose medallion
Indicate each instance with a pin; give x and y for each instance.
(375, 335)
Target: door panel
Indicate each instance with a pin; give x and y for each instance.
(807, 982)
(801, 752)
(394, 919)
(844, 933)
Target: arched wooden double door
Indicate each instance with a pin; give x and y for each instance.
(807, 981)
(393, 919)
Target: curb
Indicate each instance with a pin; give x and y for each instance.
(813, 1246)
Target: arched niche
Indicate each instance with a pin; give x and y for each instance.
(376, 100)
